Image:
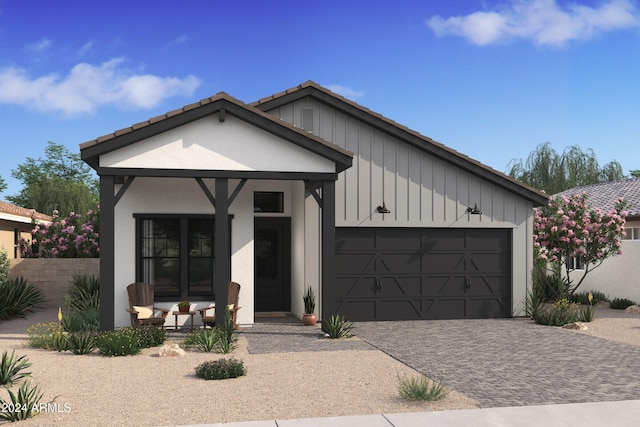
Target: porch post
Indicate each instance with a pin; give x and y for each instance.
(222, 246)
(107, 213)
(328, 245)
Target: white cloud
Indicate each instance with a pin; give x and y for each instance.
(542, 21)
(88, 87)
(346, 91)
(86, 48)
(40, 46)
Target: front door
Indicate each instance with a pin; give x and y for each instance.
(272, 264)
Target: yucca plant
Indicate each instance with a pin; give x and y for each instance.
(337, 327)
(421, 388)
(227, 341)
(203, 339)
(81, 342)
(84, 293)
(18, 296)
(23, 405)
(12, 368)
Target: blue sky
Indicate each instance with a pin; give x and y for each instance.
(490, 79)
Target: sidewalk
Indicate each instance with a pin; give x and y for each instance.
(620, 414)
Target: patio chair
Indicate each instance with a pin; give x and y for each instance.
(233, 294)
(141, 307)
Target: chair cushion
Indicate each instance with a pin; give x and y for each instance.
(230, 307)
(144, 311)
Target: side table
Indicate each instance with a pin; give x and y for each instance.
(183, 313)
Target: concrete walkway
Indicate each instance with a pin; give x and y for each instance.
(619, 414)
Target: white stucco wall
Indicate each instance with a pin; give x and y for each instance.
(619, 276)
(181, 196)
(208, 144)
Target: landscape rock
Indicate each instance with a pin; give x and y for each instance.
(172, 350)
(633, 309)
(605, 304)
(579, 326)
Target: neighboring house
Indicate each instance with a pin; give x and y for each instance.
(16, 223)
(618, 276)
(307, 188)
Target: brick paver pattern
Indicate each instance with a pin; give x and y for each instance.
(497, 362)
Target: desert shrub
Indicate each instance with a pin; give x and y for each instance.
(337, 327)
(83, 293)
(203, 339)
(421, 388)
(621, 303)
(18, 296)
(40, 335)
(81, 342)
(59, 340)
(121, 342)
(23, 405)
(533, 305)
(228, 340)
(562, 312)
(583, 297)
(150, 336)
(221, 369)
(547, 286)
(81, 321)
(12, 368)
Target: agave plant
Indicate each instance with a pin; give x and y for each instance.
(12, 368)
(18, 296)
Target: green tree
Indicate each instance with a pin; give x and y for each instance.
(635, 173)
(3, 185)
(547, 170)
(61, 181)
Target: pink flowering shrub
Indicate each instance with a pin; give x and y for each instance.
(567, 228)
(70, 237)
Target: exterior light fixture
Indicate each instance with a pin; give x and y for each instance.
(474, 210)
(383, 209)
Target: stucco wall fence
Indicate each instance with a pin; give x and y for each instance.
(53, 275)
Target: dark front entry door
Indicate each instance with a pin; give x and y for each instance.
(272, 264)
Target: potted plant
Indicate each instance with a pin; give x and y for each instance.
(184, 306)
(309, 318)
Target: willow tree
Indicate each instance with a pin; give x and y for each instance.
(547, 170)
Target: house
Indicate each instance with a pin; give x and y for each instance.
(617, 276)
(16, 223)
(307, 188)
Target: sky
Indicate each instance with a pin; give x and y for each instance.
(491, 79)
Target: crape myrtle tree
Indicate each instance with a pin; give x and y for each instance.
(568, 228)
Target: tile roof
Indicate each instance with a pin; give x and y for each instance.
(603, 195)
(11, 209)
(219, 96)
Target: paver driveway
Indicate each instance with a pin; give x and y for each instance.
(511, 362)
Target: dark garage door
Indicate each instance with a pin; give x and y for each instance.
(421, 273)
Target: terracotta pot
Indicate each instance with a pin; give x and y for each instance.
(183, 309)
(309, 319)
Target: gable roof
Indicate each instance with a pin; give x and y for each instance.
(604, 194)
(11, 212)
(384, 124)
(221, 104)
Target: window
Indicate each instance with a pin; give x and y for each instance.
(265, 201)
(175, 254)
(632, 234)
(575, 263)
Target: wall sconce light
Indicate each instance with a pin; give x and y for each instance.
(383, 209)
(474, 210)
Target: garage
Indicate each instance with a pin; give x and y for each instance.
(422, 273)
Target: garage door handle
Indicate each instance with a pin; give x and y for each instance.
(378, 287)
(467, 284)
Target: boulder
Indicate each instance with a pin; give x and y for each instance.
(171, 350)
(605, 304)
(633, 309)
(579, 326)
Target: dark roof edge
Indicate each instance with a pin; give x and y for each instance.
(314, 90)
(91, 150)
